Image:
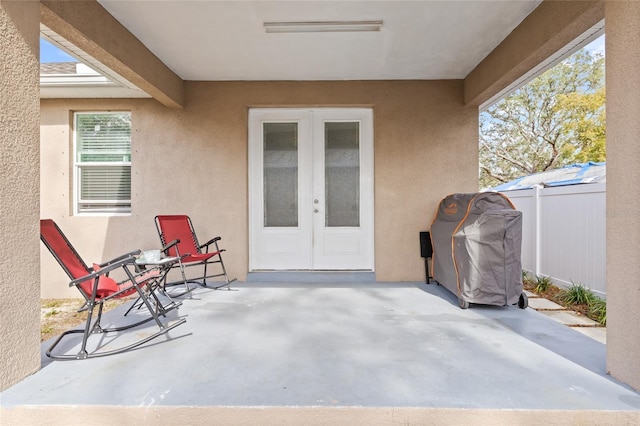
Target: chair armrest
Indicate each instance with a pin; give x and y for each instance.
(168, 246)
(104, 271)
(211, 241)
(119, 258)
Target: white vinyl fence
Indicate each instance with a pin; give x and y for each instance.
(563, 233)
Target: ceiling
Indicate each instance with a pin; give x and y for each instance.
(226, 40)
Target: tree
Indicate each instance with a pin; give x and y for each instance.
(556, 119)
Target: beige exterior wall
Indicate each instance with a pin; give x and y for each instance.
(623, 204)
(19, 199)
(194, 161)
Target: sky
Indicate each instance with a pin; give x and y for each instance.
(50, 53)
(596, 46)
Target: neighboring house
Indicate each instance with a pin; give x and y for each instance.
(573, 174)
(208, 144)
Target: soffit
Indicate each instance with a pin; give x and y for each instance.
(226, 40)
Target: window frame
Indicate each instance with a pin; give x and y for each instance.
(79, 208)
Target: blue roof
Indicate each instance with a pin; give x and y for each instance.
(574, 174)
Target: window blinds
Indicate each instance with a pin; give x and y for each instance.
(103, 162)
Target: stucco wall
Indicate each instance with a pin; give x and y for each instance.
(194, 161)
(19, 198)
(623, 176)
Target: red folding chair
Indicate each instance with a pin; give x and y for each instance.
(97, 287)
(178, 239)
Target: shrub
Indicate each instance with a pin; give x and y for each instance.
(542, 284)
(577, 295)
(598, 310)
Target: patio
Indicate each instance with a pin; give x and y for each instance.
(345, 350)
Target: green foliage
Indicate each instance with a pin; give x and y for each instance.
(588, 127)
(569, 298)
(598, 310)
(555, 120)
(542, 284)
(51, 313)
(577, 295)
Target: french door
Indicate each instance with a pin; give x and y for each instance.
(311, 189)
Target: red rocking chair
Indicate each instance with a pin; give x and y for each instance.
(97, 287)
(178, 239)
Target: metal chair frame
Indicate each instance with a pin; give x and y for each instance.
(185, 246)
(141, 283)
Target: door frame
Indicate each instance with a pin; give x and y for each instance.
(305, 118)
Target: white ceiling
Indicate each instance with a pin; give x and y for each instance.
(226, 40)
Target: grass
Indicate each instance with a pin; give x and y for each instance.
(46, 330)
(51, 313)
(52, 303)
(59, 315)
(577, 297)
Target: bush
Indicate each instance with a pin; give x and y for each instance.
(577, 295)
(542, 284)
(598, 310)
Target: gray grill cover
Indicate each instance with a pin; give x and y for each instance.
(477, 241)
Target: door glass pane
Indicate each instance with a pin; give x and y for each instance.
(342, 174)
(280, 174)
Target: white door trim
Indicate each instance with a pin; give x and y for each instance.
(299, 248)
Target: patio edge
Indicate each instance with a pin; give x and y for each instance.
(109, 415)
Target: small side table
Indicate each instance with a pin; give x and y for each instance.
(163, 265)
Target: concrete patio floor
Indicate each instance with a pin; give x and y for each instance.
(363, 353)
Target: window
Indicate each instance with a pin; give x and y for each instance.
(102, 164)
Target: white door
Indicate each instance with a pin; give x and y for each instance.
(311, 189)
